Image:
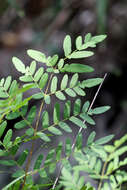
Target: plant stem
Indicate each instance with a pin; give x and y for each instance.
(102, 174)
(35, 131)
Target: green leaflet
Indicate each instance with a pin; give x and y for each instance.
(7, 137)
(78, 122)
(38, 95)
(26, 78)
(65, 127)
(32, 114)
(91, 82)
(67, 109)
(79, 140)
(60, 95)
(29, 132)
(77, 107)
(64, 82)
(18, 173)
(122, 140)
(80, 54)
(79, 91)
(53, 61)
(7, 82)
(43, 80)
(87, 118)
(67, 174)
(109, 148)
(32, 67)
(43, 136)
(38, 74)
(68, 147)
(87, 45)
(18, 65)
(59, 151)
(13, 87)
(91, 138)
(45, 120)
(60, 63)
(104, 140)
(7, 162)
(98, 38)
(56, 113)
(54, 130)
(3, 126)
(2, 82)
(70, 92)
(86, 106)
(78, 68)
(53, 87)
(20, 124)
(99, 110)
(87, 37)
(36, 55)
(74, 80)
(38, 162)
(47, 99)
(98, 166)
(78, 42)
(67, 45)
(50, 70)
(22, 157)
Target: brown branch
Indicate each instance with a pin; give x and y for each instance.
(35, 131)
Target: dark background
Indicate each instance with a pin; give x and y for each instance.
(43, 24)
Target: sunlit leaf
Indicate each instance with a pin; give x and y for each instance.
(53, 87)
(65, 127)
(18, 65)
(36, 55)
(60, 95)
(78, 42)
(78, 68)
(54, 130)
(56, 113)
(43, 136)
(67, 45)
(80, 54)
(64, 82)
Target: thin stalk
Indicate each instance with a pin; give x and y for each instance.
(35, 131)
(102, 174)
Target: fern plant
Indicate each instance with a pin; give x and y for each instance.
(99, 161)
